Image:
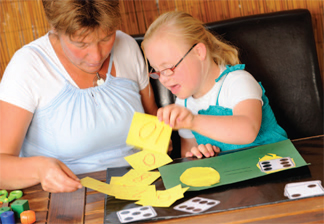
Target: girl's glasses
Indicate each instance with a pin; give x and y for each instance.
(168, 71)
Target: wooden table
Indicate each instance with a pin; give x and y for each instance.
(87, 206)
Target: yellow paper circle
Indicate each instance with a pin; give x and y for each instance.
(200, 176)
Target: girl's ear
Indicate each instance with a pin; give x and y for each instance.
(201, 51)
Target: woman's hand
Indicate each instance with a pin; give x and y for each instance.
(176, 116)
(207, 151)
(56, 177)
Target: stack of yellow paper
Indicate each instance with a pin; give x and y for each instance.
(152, 137)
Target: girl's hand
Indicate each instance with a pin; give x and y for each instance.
(170, 148)
(176, 116)
(203, 150)
(56, 177)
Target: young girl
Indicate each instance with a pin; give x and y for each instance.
(219, 105)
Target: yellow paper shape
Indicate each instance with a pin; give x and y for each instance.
(200, 176)
(147, 160)
(97, 185)
(118, 181)
(147, 132)
(163, 198)
(139, 177)
(133, 192)
(269, 157)
(136, 177)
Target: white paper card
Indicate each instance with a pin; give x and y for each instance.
(276, 164)
(196, 205)
(136, 214)
(303, 189)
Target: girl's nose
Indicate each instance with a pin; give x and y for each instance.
(164, 79)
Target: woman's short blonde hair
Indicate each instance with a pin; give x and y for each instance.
(71, 16)
(190, 30)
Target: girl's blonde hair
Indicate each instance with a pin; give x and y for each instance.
(192, 31)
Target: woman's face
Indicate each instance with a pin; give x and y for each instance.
(163, 52)
(88, 53)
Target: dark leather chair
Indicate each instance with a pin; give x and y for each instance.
(279, 50)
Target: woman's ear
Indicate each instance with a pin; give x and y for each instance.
(53, 30)
(201, 51)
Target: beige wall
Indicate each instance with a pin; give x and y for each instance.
(22, 21)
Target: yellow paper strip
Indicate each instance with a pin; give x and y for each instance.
(97, 185)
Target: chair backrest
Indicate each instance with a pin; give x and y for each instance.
(279, 50)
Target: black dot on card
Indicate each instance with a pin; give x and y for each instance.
(147, 214)
(268, 165)
(269, 168)
(284, 163)
(196, 200)
(190, 208)
(283, 159)
(128, 218)
(144, 208)
(295, 195)
(203, 202)
(265, 162)
(287, 165)
(183, 206)
(311, 185)
(211, 203)
(136, 213)
(124, 212)
(197, 210)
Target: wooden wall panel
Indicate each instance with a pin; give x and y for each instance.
(22, 21)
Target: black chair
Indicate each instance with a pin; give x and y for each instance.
(279, 50)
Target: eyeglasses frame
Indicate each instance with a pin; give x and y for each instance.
(156, 75)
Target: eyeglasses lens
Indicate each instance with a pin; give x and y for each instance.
(154, 75)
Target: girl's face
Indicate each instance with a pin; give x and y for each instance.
(88, 53)
(186, 79)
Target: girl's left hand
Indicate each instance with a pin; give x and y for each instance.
(170, 148)
(207, 151)
(176, 116)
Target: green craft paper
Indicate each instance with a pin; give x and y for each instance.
(233, 167)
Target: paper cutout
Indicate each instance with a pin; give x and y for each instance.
(275, 163)
(133, 192)
(269, 156)
(147, 132)
(136, 214)
(136, 177)
(97, 185)
(233, 167)
(147, 160)
(200, 176)
(118, 181)
(163, 198)
(196, 205)
(153, 136)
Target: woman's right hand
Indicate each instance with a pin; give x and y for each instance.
(56, 177)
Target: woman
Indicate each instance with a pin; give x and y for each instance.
(67, 98)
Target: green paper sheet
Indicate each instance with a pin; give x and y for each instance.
(233, 167)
